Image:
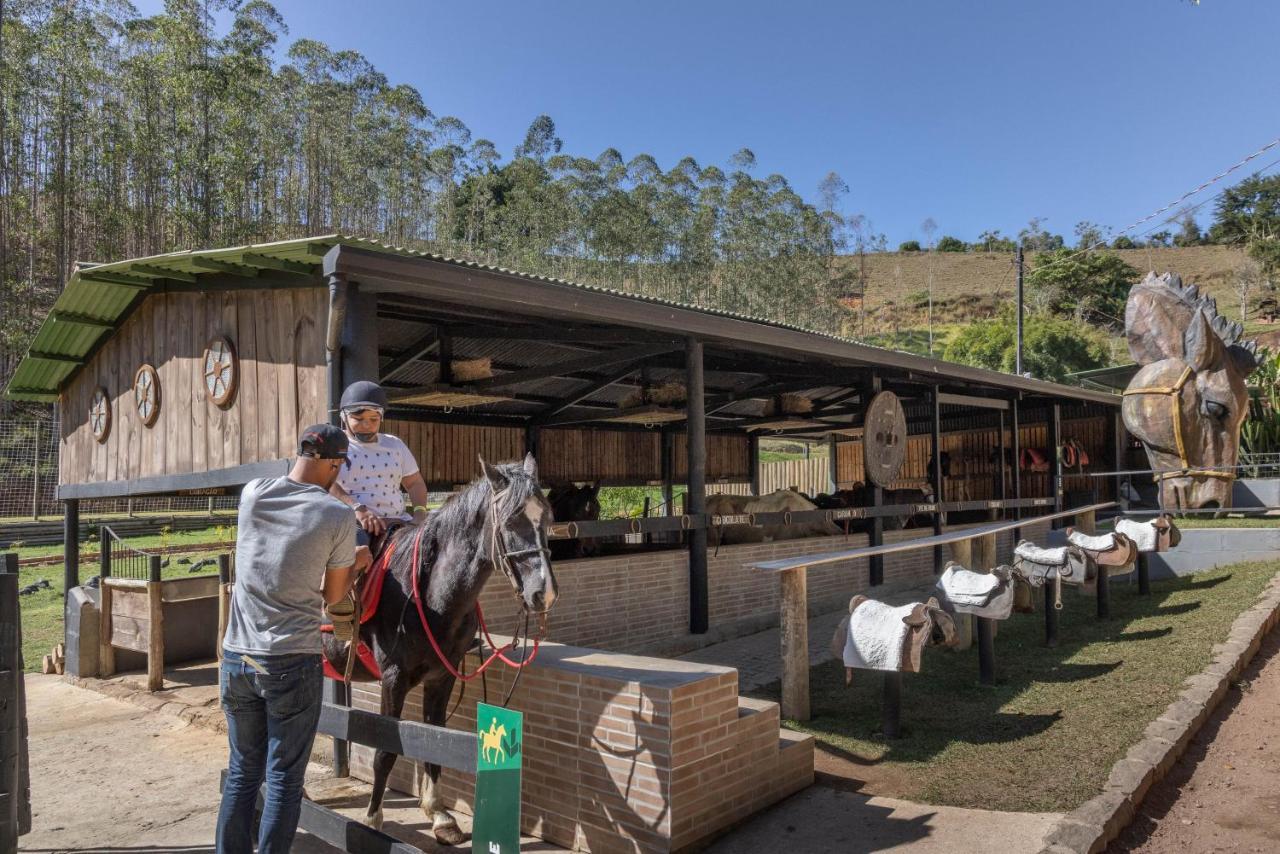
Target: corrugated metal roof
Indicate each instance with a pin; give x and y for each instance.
(97, 297)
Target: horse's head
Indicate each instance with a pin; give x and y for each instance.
(575, 503)
(1188, 399)
(516, 531)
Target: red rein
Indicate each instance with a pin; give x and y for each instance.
(435, 645)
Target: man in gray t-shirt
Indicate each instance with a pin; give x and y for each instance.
(295, 551)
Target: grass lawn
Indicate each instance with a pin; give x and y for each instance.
(1045, 737)
(1238, 522)
(42, 610)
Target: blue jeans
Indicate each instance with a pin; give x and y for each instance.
(271, 723)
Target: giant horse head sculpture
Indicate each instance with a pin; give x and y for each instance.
(1188, 400)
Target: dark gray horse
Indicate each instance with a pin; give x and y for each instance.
(499, 521)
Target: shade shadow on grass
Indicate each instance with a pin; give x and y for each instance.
(1045, 736)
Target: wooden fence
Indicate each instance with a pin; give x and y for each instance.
(810, 476)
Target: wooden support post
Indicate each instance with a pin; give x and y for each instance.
(336, 692)
(795, 644)
(15, 794)
(833, 468)
(935, 475)
(1050, 616)
(1087, 522)
(891, 705)
(1144, 575)
(696, 423)
(155, 620)
(1104, 593)
(962, 553)
(531, 439)
(104, 552)
(667, 462)
(106, 652)
(224, 599)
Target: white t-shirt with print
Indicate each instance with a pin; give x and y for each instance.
(375, 473)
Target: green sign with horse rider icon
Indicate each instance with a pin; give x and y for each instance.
(500, 735)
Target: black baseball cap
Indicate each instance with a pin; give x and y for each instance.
(324, 442)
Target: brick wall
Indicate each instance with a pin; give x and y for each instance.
(624, 753)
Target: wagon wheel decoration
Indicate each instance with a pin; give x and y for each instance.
(100, 415)
(884, 439)
(146, 394)
(221, 371)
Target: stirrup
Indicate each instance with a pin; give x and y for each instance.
(342, 614)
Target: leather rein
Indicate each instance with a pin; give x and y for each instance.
(500, 557)
(1174, 392)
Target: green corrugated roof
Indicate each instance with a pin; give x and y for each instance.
(98, 296)
(92, 305)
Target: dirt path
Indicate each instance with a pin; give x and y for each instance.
(1223, 795)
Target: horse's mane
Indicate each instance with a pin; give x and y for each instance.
(456, 517)
(1183, 301)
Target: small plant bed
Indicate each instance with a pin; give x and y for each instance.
(1229, 522)
(1045, 737)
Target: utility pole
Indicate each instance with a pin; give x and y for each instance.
(1017, 261)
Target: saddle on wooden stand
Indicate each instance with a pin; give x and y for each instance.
(876, 636)
(982, 594)
(1038, 566)
(1153, 535)
(1114, 552)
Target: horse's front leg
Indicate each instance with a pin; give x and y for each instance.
(395, 687)
(435, 705)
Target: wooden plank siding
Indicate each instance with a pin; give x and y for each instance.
(448, 454)
(974, 467)
(278, 336)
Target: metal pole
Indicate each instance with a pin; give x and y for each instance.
(696, 423)
(1055, 450)
(1144, 575)
(1017, 260)
(1050, 616)
(833, 468)
(753, 456)
(875, 533)
(70, 556)
(1015, 448)
(891, 705)
(1117, 451)
(1104, 594)
(986, 651)
(104, 552)
(1002, 488)
(936, 476)
(15, 786)
(35, 479)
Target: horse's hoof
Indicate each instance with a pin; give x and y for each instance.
(374, 820)
(449, 834)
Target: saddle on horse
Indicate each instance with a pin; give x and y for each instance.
(348, 614)
(983, 594)
(1154, 535)
(876, 636)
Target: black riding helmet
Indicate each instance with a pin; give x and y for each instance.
(363, 395)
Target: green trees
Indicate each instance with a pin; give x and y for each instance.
(1052, 346)
(1248, 215)
(909, 246)
(952, 244)
(123, 135)
(1092, 285)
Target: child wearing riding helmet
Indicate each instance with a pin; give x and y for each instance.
(382, 467)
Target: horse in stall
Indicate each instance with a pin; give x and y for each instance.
(426, 612)
(860, 496)
(775, 502)
(1187, 401)
(571, 503)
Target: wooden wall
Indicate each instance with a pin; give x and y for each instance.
(278, 335)
(974, 470)
(447, 453)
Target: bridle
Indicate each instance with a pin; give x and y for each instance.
(1174, 392)
(501, 557)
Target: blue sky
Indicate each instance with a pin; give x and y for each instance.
(977, 114)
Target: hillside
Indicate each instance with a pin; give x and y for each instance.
(972, 285)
